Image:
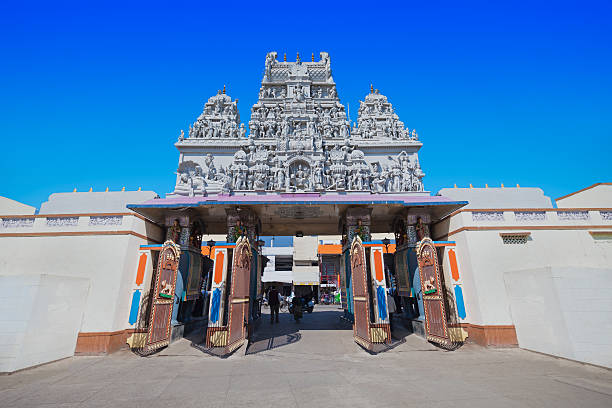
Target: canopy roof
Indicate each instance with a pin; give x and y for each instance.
(288, 213)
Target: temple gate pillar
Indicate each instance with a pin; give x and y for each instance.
(419, 276)
(234, 283)
(186, 231)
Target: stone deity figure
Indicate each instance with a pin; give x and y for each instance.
(182, 136)
(240, 183)
(285, 128)
(379, 184)
(197, 182)
(397, 183)
(332, 92)
(318, 176)
(280, 179)
(260, 182)
(328, 179)
(174, 232)
(270, 59)
(421, 229)
(227, 183)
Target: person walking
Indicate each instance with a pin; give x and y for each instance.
(391, 308)
(273, 301)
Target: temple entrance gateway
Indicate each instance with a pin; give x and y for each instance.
(163, 297)
(303, 168)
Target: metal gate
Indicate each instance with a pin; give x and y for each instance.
(163, 297)
(227, 334)
(368, 330)
(361, 304)
(239, 295)
(433, 294)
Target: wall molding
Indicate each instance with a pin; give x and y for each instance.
(525, 227)
(75, 234)
(519, 210)
(126, 214)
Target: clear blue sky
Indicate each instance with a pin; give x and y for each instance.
(95, 94)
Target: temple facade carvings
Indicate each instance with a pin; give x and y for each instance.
(299, 139)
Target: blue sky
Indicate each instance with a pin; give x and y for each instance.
(95, 95)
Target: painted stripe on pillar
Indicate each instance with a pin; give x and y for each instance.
(452, 258)
(378, 266)
(460, 303)
(219, 267)
(142, 264)
(134, 308)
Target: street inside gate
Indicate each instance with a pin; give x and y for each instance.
(321, 332)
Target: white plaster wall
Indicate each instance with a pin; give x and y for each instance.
(563, 311)
(98, 258)
(41, 316)
(497, 197)
(93, 202)
(109, 261)
(12, 207)
(597, 197)
(484, 258)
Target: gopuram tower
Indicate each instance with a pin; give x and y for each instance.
(299, 140)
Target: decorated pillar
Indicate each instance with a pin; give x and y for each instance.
(356, 222)
(242, 222)
(410, 228)
(186, 231)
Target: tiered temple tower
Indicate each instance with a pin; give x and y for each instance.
(299, 140)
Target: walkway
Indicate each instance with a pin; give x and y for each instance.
(313, 363)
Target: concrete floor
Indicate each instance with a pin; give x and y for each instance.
(313, 363)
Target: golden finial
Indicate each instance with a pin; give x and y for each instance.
(90, 189)
(122, 188)
(471, 186)
(139, 188)
(106, 191)
(74, 191)
(313, 57)
(486, 185)
(502, 185)
(517, 186)
(371, 88)
(223, 89)
(455, 185)
(285, 57)
(298, 57)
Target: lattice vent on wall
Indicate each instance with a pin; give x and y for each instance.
(512, 239)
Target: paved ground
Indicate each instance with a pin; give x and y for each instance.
(312, 364)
